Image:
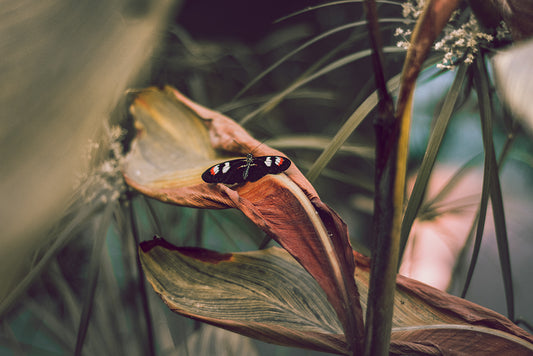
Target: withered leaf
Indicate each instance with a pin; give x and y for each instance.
(165, 163)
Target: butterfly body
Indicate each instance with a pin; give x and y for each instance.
(249, 169)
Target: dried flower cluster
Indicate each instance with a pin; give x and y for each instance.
(104, 181)
(460, 41)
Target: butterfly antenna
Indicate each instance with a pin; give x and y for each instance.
(245, 149)
(259, 145)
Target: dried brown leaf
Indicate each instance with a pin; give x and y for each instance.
(263, 294)
(267, 295)
(166, 163)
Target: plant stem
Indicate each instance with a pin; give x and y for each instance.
(391, 139)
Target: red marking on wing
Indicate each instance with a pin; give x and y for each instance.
(212, 171)
(280, 161)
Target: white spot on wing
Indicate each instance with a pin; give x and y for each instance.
(225, 169)
(278, 161)
(215, 169)
(268, 161)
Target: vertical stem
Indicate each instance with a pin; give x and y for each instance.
(388, 201)
(391, 158)
(385, 100)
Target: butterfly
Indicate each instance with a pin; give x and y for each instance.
(249, 169)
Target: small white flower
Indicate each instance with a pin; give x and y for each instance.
(469, 58)
(403, 44)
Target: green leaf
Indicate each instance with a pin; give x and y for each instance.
(332, 3)
(351, 124)
(435, 141)
(347, 129)
(481, 82)
(307, 44)
(480, 227)
(300, 82)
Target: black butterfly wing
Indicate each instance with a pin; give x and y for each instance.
(236, 171)
(228, 172)
(264, 165)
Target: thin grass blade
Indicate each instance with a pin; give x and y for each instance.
(332, 3)
(319, 142)
(330, 67)
(94, 268)
(307, 44)
(76, 217)
(346, 130)
(458, 175)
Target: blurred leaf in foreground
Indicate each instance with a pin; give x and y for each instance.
(64, 68)
(514, 69)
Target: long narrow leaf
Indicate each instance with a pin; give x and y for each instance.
(434, 143)
(307, 44)
(351, 124)
(319, 142)
(485, 108)
(480, 221)
(333, 3)
(457, 176)
(346, 130)
(332, 66)
(483, 211)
